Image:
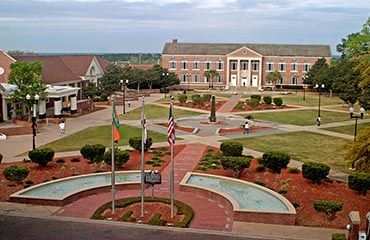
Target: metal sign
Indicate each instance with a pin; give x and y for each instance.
(152, 177)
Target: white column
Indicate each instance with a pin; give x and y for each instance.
(42, 109)
(249, 73)
(57, 107)
(227, 73)
(260, 74)
(238, 73)
(73, 99)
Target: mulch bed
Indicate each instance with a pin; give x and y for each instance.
(177, 127)
(247, 107)
(241, 129)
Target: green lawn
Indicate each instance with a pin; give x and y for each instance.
(154, 111)
(301, 146)
(311, 99)
(300, 117)
(349, 129)
(100, 135)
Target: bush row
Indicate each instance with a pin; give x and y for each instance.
(255, 100)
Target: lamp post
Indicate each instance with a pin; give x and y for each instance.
(163, 75)
(188, 76)
(318, 112)
(351, 113)
(34, 125)
(304, 88)
(123, 84)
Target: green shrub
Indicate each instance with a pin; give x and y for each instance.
(278, 101)
(127, 217)
(338, 236)
(60, 160)
(260, 168)
(1, 157)
(182, 98)
(315, 171)
(232, 149)
(267, 99)
(236, 164)
(206, 97)
(120, 157)
(103, 97)
(253, 102)
(275, 160)
(359, 182)
(257, 97)
(93, 153)
(283, 191)
(135, 143)
(293, 170)
(197, 99)
(329, 207)
(260, 183)
(41, 156)
(75, 160)
(16, 173)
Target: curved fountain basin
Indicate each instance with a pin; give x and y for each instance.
(250, 202)
(66, 190)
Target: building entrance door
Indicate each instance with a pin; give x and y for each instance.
(254, 81)
(233, 80)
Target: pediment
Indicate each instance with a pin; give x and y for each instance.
(244, 52)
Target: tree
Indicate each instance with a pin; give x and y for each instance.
(90, 90)
(329, 207)
(110, 81)
(235, 164)
(27, 78)
(210, 75)
(273, 77)
(358, 152)
(318, 74)
(346, 80)
(158, 77)
(356, 44)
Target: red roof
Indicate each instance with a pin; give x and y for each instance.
(58, 69)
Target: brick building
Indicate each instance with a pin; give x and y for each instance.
(240, 65)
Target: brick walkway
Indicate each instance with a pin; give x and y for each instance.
(218, 216)
(229, 105)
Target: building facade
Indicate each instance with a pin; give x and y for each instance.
(240, 65)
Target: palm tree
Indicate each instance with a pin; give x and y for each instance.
(211, 74)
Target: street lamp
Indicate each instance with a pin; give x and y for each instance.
(124, 94)
(34, 125)
(188, 76)
(318, 112)
(351, 111)
(304, 88)
(163, 75)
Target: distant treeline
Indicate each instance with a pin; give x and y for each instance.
(133, 58)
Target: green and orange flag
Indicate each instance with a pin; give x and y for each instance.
(115, 124)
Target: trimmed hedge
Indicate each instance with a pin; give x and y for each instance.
(257, 97)
(359, 182)
(93, 153)
(135, 143)
(275, 160)
(329, 207)
(16, 173)
(236, 164)
(182, 98)
(182, 208)
(315, 171)
(278, 101)
(41, 156)
(120, 157)
(267, 99)
(232, 149)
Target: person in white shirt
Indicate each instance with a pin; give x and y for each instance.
(62, 127)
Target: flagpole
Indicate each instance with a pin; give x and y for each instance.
(143, 139)
(172, 168)
(113, 170)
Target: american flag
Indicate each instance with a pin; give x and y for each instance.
(171, 127)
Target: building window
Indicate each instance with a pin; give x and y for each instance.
(207, 65)
(306, 66)
(196, 78)
(233, 65)
(294, 66)
(206, 80)
(244, 64)
(220, 65)
(281, 81)
(173, 65)
(219, 79)
(294, 80)
(270, 66)
(184, 65)
(196, 65)
(255, 65)
(184, 78)
(281, 66)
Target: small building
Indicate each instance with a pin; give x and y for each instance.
(64, 75)
(240, 65)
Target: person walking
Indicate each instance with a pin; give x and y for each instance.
(62, 128)
(318, 121)
(246, 128)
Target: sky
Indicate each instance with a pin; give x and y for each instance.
(132, 26)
